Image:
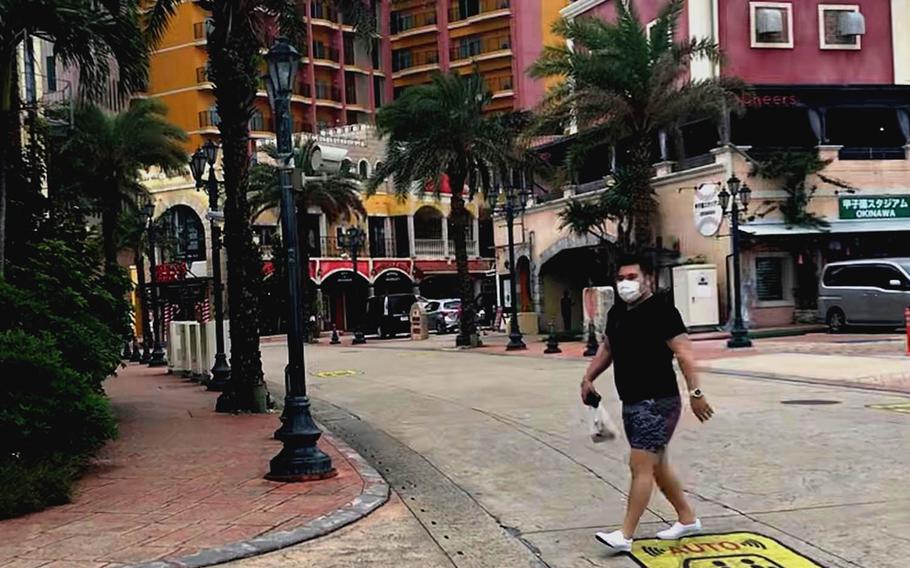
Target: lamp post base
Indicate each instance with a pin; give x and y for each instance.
(300, 459)
(146, 355)
(221, 374)
(359, 338)
(136, 355)
(739, 338)
(158, 358)
(515, 342)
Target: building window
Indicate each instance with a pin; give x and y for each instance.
(51, 69)
(364, 169)
(771, 24)
(650, 31)
(773, 279)
(840, 26)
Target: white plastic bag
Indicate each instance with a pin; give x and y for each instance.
(600, 425)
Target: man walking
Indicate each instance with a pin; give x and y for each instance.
(643, 334)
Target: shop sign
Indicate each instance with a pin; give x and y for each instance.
(880, 207)
(708, 214)
(753, 100)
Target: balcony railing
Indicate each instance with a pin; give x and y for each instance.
(201, 30)
(472, 47)
(404, 21)
(323, 51)
(461, 11)
(500, 84)
(872, 154)
(329, 247)
(209, 118)
(328, 92)
(324, 11)
(202, 75)
(429, 247)
(406, 59)
(694, 162)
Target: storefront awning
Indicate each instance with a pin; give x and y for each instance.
(837, 227)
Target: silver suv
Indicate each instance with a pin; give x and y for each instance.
(871, 292)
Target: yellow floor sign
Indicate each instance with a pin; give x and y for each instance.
(731, 550)
(903, 407)
(338, 373)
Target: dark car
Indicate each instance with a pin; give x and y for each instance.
(390, 315)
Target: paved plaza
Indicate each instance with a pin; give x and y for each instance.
(489, 461)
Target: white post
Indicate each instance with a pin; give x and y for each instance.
(387, 233)
(445, 237)
(324, 234)
(411, 243)
(476, 229)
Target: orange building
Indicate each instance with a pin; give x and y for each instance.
(502, 38)
(340, 82)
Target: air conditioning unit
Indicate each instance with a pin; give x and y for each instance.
(851, 24)
(769, 21)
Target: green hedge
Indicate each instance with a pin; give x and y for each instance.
(60, 329)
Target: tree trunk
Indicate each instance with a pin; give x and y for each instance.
(233, 66)
(467, 325)
(643, 205)
(109, 219)
(8, 129)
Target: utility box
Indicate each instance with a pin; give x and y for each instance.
(193, 349)
(419, 330)
(695, 294)
(174, 347)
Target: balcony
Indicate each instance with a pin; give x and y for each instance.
(328, 92)
(500, 84)
(209, 119)
(324, 11)
(403, 60)
(465, 9)
(406, 21)
(470, 48)
(322, 51)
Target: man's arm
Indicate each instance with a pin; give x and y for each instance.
(601, 362)
(682, 348)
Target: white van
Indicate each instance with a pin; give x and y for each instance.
(871, 292)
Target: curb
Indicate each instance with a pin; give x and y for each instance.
(375, 494)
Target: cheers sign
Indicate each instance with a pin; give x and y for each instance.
(753, 100)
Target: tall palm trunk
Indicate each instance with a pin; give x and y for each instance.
(9, 134)
(639, 170)
(233, 54)
(467, 326)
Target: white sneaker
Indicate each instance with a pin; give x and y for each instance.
(679, 530)
(616, 541)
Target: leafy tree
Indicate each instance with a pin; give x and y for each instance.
(94, 37)
(441, 129)
(623, 84)
(338, 196)
(112, 149)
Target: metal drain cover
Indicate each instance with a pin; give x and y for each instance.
(810, 402)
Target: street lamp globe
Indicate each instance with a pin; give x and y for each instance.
(210, 149)
(197, 166)
(724, 198)
(733, 185)
(745, 195)
(282, 60)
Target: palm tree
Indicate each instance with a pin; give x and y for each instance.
(622, 83)
(114, 148)
(437, 130)
(338, 196)
(239, 29)
(94, 37)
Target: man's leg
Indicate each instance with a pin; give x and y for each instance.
(673, 491)
(642, 463)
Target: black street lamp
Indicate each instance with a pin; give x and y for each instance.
(733, 195)
(299, 459)
(513, 202)
(157, 358)
(352, 241)
(206, 156)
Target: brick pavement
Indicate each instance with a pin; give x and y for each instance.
(179, 479)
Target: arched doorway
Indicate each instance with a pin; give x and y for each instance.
(344, 299)
(181, 235)
(393, 282)
(572, 270)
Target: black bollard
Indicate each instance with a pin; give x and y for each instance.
(135, 356)
(552, 341)
(592, 345)
(127, 350)
(335, 340)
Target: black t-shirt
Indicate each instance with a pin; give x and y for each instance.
(642, 361)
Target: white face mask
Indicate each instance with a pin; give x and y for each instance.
(629, 290)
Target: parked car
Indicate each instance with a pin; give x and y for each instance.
(390, 315)
(871, 292)
(442, 315)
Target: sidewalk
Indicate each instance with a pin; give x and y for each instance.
(182, 480)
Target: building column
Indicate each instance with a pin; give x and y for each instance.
(388, 245)
(476, 229)
(445, 237)
(324, 234)
(412, 251)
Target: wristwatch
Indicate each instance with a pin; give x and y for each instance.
(696, 393)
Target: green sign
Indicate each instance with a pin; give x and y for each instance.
(879, 207)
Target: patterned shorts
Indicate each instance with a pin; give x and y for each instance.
(649, 424)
